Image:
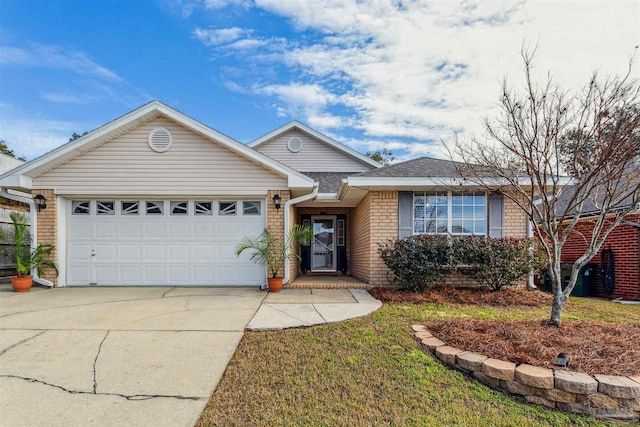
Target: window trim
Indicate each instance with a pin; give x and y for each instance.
(450, 212)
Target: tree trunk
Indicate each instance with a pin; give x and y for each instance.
(556, 310)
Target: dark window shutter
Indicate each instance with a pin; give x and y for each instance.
(496, 215)
(405, 214)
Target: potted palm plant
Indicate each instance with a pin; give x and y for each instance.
(24, 257)
(272, 251)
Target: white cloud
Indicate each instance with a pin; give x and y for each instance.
(420, 71)
(65, 98)
(31, 135)
(306, 100)
(221, 4)
(217, 36)
(56, 57)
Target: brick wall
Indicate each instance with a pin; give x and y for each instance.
(383, 226)
(515, 220)
(47, 228)
(360, 262)
(275, 217)
(625, 243)
(13, 205)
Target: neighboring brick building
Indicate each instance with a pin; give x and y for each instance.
(624, 241)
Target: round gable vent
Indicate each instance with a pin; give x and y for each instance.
(160, 140)
(294, 144)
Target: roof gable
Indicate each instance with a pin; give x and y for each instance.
(22, 176)
(345, 158)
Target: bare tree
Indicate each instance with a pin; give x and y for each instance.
(562, 157)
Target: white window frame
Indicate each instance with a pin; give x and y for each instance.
(450, 212)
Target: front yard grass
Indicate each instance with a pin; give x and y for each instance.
(370, 371)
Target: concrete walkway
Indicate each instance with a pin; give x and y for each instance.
(292, 308)
(137, 356)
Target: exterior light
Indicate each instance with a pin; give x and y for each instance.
(276, 201)
(562, 360)
(41, 202)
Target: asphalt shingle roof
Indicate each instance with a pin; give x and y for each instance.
(422, 167)
(329, 182)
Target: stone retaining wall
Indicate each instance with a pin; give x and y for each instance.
(603, 396)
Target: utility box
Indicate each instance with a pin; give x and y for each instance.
(583, 286)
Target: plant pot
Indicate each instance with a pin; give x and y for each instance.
(275, 284)
(21, 284)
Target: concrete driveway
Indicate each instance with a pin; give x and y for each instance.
(116, 356)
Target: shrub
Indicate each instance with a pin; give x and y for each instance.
(418, 262)
(497, 262)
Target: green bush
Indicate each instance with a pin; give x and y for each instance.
(418, 262)
(497, 262)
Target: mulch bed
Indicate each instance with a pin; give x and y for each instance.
(510, 297)
(611, 348)
(610, 351)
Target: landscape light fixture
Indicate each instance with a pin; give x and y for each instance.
(276, 201)
(562, 360)
(41, 202)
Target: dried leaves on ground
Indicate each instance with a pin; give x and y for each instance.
(593, 347)
(511, 297)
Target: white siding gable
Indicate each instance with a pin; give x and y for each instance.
(315, 155)
(194, 165)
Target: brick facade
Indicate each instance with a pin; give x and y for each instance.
(275, 217)
(13, 205)
(624, 240)
(375, 220)
(515, 220)
(360, 263)
(47, 228)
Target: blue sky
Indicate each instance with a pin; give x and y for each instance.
(404, 75)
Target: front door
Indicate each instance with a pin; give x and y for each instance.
(323, 248)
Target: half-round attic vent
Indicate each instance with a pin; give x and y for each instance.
(160, 140)
(294, 144)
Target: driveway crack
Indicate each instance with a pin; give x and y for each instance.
(316, 309)
(292, 316)
(170, 290)
(21, 342)
(124, 396)
(95, 362)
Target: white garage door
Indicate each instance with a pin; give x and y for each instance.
(162, 242)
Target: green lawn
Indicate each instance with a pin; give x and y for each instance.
(370, 371)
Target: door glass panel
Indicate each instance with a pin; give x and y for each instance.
(323, 247)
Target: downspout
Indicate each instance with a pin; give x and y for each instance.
(314, 193)
(34, 230)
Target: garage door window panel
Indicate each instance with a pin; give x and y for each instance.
(251, 208)
(203, 208)
(130, 208)
(155, 208)
(80, 207)
(227, 208)
(179, 208)
(105, 208)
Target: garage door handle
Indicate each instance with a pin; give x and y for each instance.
(93, 252)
